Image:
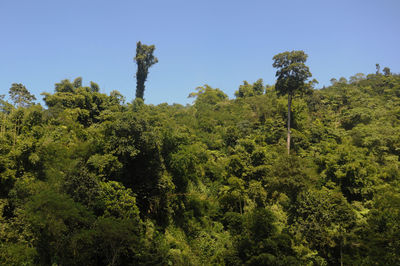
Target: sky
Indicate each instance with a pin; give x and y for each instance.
(220, 42)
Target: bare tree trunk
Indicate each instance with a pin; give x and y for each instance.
(288, 121)
(341, 253)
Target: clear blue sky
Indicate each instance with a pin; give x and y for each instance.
(220, 43)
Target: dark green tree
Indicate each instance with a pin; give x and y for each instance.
(291, 75)
(386, 71)
(94, 87)
(144, 59)
(378, 69)
(20, 95)
(78, 82)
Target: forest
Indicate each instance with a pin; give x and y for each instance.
(90, 179)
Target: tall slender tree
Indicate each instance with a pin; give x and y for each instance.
(20, 95)
(291, 76)
(144, 59)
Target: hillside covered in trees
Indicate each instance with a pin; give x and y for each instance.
(92, 180)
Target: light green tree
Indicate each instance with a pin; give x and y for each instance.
(20, 95)
(247, 90)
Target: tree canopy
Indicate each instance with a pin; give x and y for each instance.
(20, 95)
(144, 59)
(291, 71)
(89, 179)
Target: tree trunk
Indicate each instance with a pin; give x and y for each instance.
(341, 253)
(3, 125)
(141, 76)
(288, 121)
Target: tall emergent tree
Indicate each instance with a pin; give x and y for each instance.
(144, 59)
(20, 95)
(291, 75)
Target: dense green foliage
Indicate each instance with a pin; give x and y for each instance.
(94, 181)
(144, 59)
